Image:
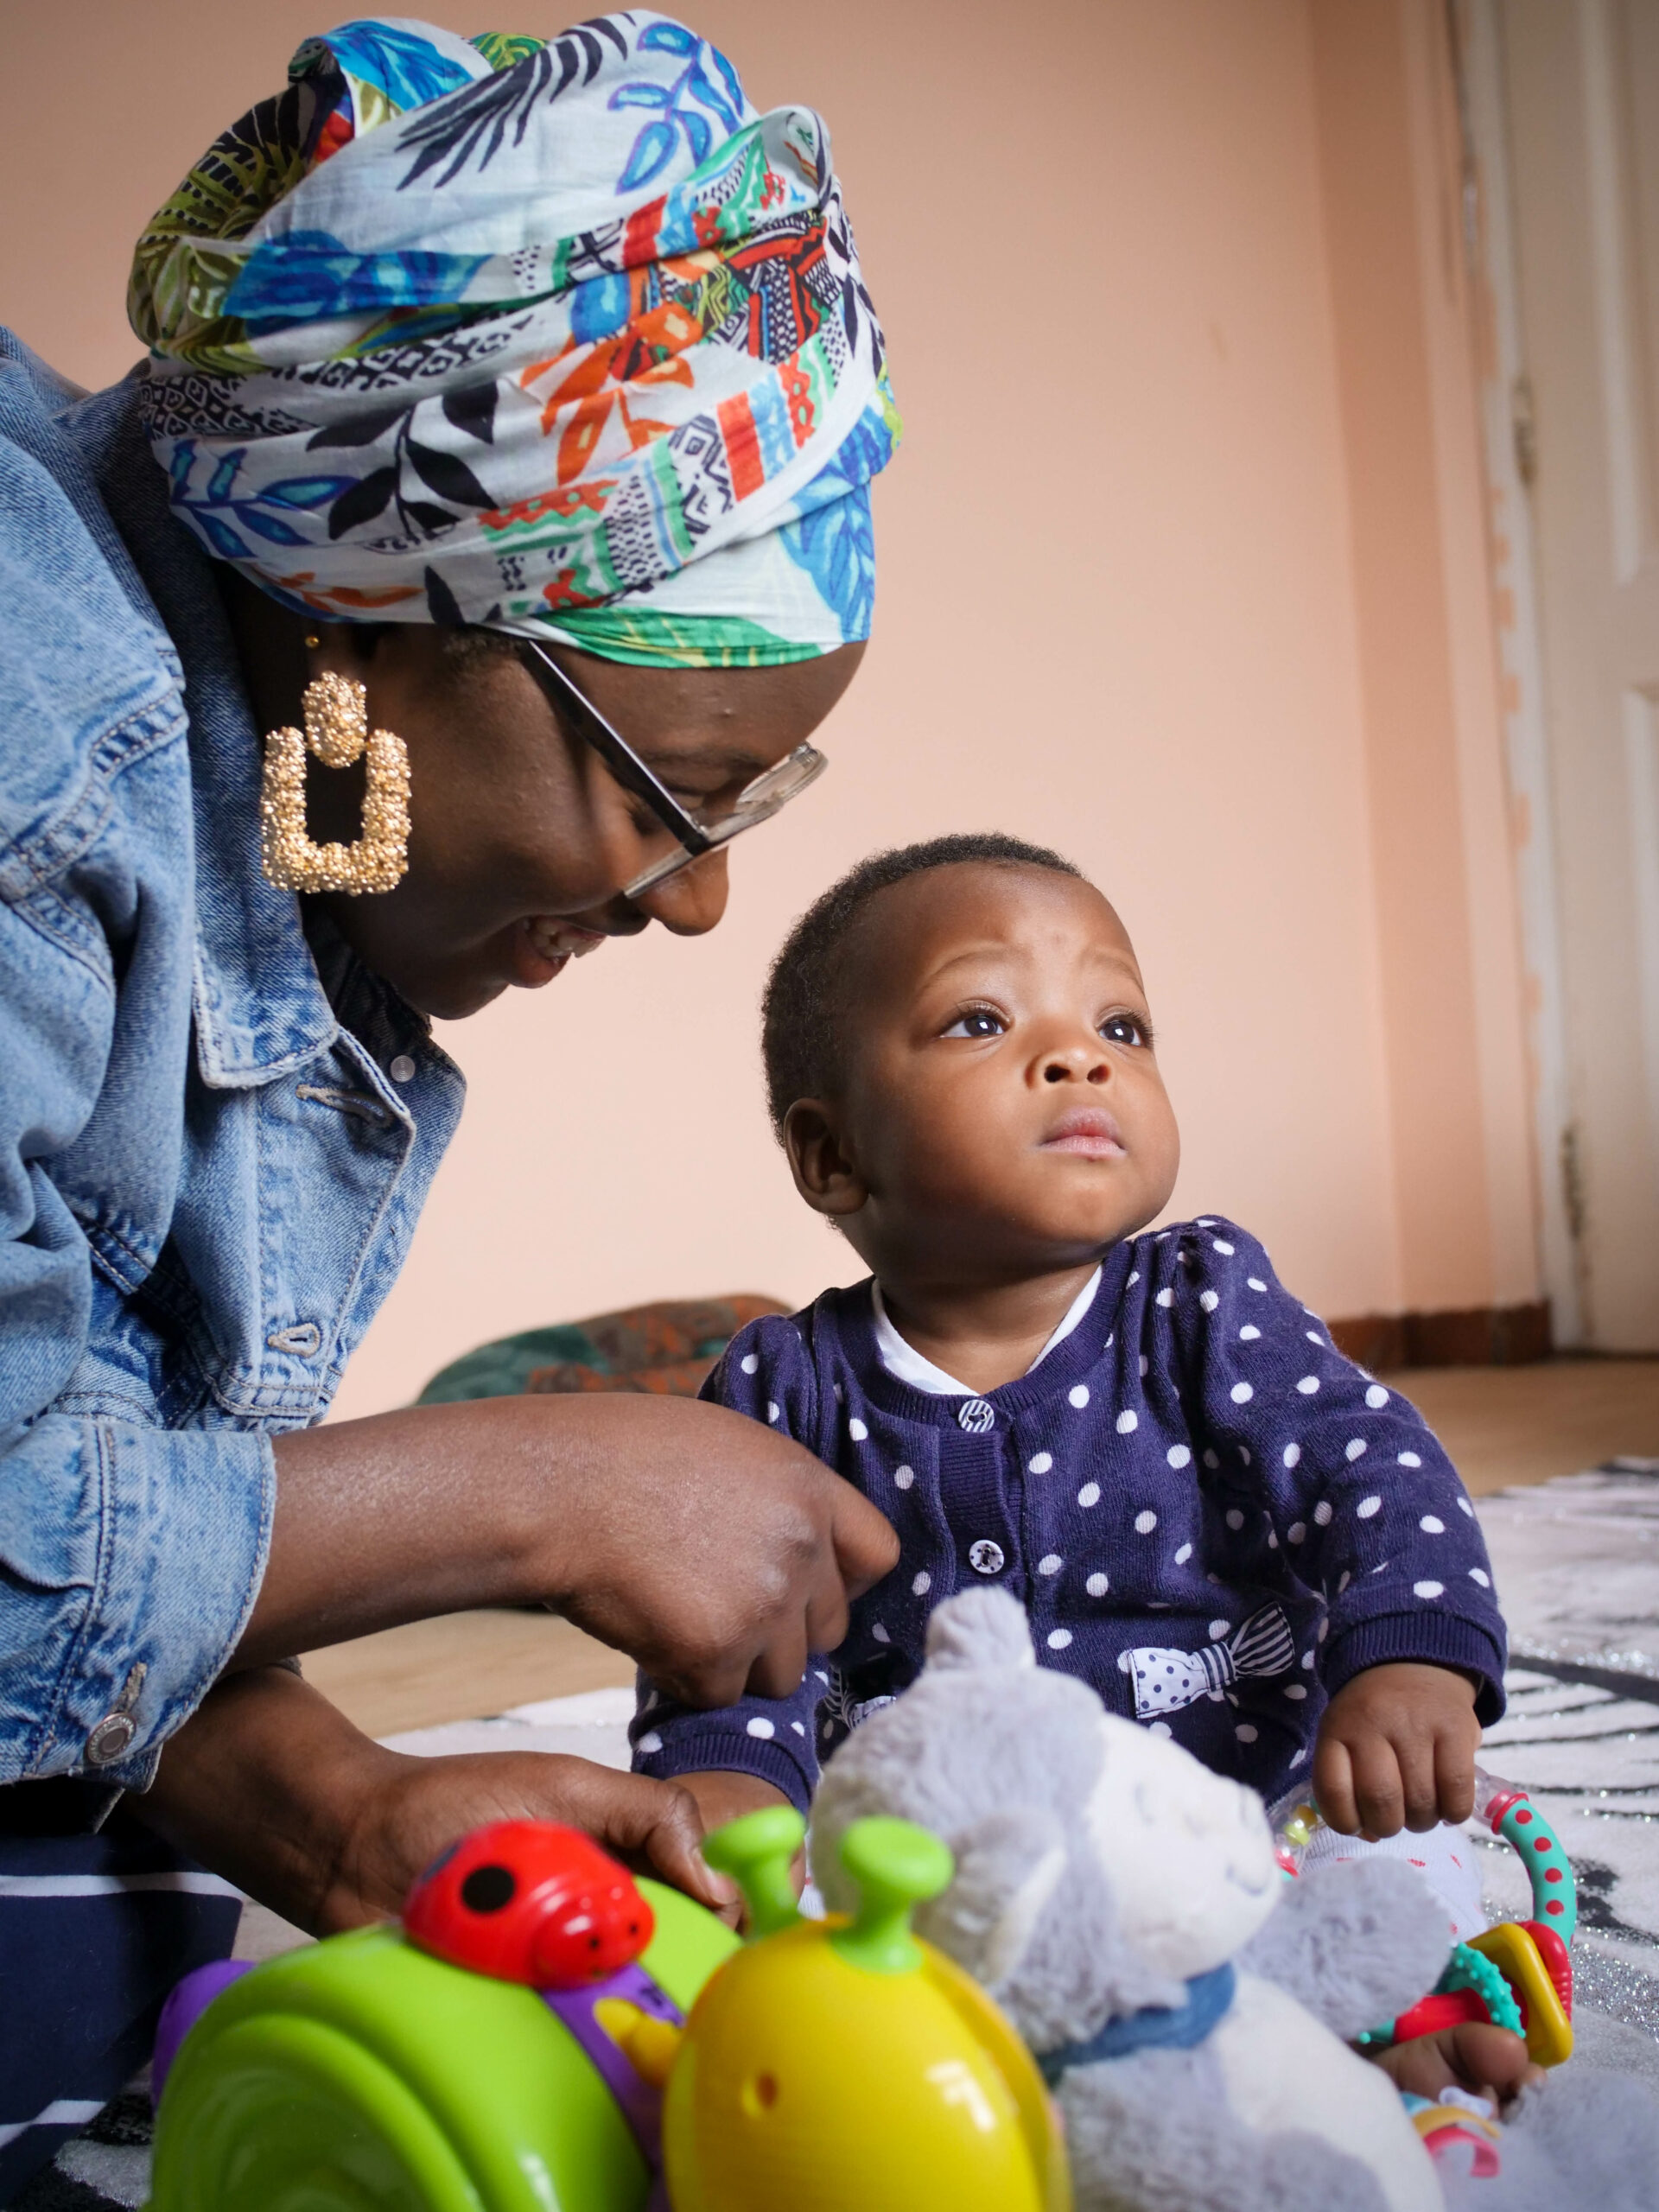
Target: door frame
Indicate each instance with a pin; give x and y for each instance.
(1475, 32)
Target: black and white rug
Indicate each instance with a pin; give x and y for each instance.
(1577, 1568)
(1576, 1563)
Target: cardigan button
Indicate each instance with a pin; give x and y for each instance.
(987, 1556)
(976, 1416)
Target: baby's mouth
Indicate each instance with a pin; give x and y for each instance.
(1089, 1132)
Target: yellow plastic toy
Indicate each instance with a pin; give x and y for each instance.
(1514, 1951)
(517, 2046)
(841, 2063)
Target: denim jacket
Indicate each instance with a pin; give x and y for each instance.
(209, 1174)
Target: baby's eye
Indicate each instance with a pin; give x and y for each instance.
(978, 1022)
(1123, 1029)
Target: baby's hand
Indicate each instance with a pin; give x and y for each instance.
(1489, 2061)
(1396, 1748)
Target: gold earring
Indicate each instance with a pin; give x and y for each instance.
(336, 730)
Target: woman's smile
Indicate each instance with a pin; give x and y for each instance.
(544, 945)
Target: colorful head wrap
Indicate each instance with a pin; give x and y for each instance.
(560, 336)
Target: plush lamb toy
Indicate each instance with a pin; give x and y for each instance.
(1124, 1906)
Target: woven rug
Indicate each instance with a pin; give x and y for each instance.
(1576, 1563)
(1577, 1567)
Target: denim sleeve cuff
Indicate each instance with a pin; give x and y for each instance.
(132, 1578)
(1430, 1639)
(716, 1750)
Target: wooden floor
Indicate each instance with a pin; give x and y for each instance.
(1505, 1424)
(461, 1666)
(1501, 1425)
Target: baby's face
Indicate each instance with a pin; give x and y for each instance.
(1003, 1107)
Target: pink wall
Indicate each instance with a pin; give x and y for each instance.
(1447, 930)
(1146, 594)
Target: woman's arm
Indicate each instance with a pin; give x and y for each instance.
(272, 1787)
(714, 1552)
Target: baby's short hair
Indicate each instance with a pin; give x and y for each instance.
(801, 1044)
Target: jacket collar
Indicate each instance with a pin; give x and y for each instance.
(260, 1007)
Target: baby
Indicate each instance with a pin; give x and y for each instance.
(1232, 1533)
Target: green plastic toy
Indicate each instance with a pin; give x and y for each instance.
(545, 2034)
(363, 2073)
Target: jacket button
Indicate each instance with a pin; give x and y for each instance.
(402, 1069)
(110, 1738)
(986, 1557)
(976, 1416)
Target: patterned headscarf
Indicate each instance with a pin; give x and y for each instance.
(559, 336)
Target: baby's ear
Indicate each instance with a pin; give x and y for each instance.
(825, 1173)
(1008, 1866)
(979, 1628)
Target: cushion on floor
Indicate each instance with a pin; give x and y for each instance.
(667, 1347)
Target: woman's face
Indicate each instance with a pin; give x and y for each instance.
(520, 840)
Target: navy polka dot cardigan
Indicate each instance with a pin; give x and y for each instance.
(1207, 1513)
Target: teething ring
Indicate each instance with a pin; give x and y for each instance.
(1517, 1975)
(1532, 1954)
(1554, 1894)
(1512, 1952)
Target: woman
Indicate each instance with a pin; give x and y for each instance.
(511, 405)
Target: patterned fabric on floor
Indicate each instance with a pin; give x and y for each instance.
(107, 2165)
(668, 1348)
(1577, 1564)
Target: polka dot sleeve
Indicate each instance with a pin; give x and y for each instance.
(767, 1373)
(1332, 1477)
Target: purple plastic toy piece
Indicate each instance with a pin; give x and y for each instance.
(640, 2104)
(188, 2002)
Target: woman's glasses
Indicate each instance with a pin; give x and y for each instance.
(695, 833)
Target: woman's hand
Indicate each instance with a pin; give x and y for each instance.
(721, 1795)
(713, 1551)
(272, 1787)
(409, 1810)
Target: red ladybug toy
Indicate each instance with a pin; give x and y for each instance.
(528, 1901)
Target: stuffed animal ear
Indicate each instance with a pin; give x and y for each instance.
(1008, 1865)
(980, 1628)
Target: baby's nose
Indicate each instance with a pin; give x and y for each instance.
(1077, 1065)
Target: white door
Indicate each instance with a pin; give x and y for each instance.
(1581, 89)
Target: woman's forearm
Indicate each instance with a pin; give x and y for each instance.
(428, 1510)
(262, 1783)
(711, 1549)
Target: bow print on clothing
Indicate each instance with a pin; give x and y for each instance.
(1165, 1680)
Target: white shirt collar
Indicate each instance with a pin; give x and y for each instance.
(905, 1362)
